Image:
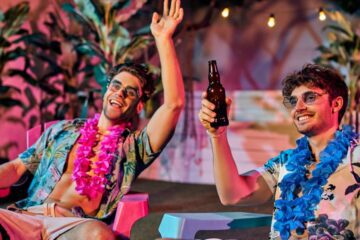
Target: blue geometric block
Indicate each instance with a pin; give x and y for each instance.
(186, 225)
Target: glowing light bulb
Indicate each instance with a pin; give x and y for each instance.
(271, 21)
(225, 12)
(322, 15)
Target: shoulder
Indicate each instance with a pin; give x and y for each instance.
(68, 124)
(61, 127)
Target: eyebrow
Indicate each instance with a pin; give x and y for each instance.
(119, 82)
(306, 93)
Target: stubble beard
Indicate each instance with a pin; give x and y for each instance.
(120, 117)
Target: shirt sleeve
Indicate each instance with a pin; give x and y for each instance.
(271, 170)
(32, 156)
(144, 149)
(137, 149)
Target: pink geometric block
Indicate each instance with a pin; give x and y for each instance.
(32, 135)
(131, 208)
(4, 192)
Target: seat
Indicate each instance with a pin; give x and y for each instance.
(186, 225)
(131, 207)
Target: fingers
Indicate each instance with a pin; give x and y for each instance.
(181, 15)
(175, 9)
(205, 102)
(155, 18)
(228, 102)
(206, 114)
(172, 8)
(228, 105)
(166, 8)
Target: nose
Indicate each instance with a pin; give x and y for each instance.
(300, 104)
(122, 91)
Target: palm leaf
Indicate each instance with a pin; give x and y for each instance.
(30, 96)
(4, 43)
(16, 120)
(128, 10)
(14, 18)
(6, 89)
(26, 76)
(90, 49)
(10, 102)
(78, 16)
(340, 31)
(134, 46)
(90, 10)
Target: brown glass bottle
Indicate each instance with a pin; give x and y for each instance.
(216, 95)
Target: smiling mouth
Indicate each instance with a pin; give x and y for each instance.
(115, 103)
(303, 118)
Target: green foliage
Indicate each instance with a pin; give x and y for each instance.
(103, 37)
(341, 51)
(11, 50)
(11, 32)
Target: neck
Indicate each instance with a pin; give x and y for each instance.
(104, 123)
(320, 141)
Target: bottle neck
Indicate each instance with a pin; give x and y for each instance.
(214, 80)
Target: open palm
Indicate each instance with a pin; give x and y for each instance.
(165, 25)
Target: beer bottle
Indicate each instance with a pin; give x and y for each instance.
(216, 95)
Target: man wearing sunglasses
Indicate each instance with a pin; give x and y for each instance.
(83, 168)
(316, 185)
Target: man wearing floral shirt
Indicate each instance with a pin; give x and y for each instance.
(82, 169)
(316, 186)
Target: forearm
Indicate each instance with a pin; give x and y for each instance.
(168, 113)
(232, 187)
(10, 173)
(172, 81)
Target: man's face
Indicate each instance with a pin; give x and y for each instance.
(312, 114)
(122, 97)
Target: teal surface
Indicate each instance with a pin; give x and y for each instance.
(186, 225)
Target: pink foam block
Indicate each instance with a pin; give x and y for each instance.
(131, 208)
(4, 192)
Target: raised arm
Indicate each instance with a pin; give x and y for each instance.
(162, 125)
(11, 172)
(232, 188)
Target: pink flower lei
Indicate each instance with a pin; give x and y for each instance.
(92, 184)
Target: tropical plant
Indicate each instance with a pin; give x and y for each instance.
(342, 51)
(104, 40)
(11, 50)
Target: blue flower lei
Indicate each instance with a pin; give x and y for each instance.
(292, 212)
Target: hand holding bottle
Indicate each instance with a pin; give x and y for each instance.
(207, 115)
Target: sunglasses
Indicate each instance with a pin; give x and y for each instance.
(129, 91)
(307, 97)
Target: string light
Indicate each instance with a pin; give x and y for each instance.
(322, 15)
(225, 12)
(271, 21)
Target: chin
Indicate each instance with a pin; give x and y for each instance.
(112, 116)
(305, 130)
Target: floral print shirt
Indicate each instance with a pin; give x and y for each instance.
(338, 214)
(46, 160)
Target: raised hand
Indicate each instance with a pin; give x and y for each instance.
(164, 26)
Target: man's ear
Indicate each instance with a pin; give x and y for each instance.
(139, 107)
(337, 104)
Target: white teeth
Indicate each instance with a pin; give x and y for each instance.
(303, 118)
(113, 102)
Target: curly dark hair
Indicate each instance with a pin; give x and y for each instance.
(314, 75)
(141, 71)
